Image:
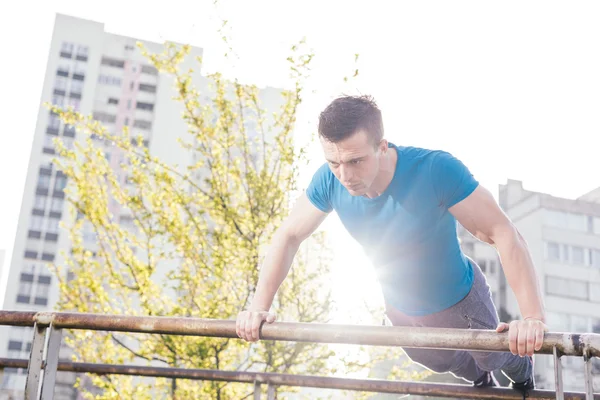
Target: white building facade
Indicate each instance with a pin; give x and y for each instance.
(563, 237)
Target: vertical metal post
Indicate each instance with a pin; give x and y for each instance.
(34, 368)
(256, 390)
(558, 381)
(270, 392)
(589, 382)
(49, 379)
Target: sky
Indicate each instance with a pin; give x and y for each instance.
(511, 88)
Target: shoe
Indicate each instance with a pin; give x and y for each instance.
(486, 380)
(524, 387)
(528, 385)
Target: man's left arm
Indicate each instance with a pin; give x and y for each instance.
(480, 214)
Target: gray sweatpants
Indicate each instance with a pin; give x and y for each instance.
(475, 311)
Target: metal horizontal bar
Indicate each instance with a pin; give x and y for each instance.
(438, 338)
(366, 385)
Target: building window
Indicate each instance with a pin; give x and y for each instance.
(492, 267)
(52, 225)
(75, 103)
(48, 257)
(68, 142)
(88, 233)
(149, 69)
(595, 292)
(25, 277)
(131, 85)
(56, 205)
(66, 50)
(69, 131)
(126, 123)
(144, 87)
(63, 69)
(577, 222)
(112, 100)
(109, 80)
(76, 87)
(29, 268)
(595, 258)
(40, 202)
(30, 254)
(129, 104)
(49, 141)
(41, 301)
(82, 53)
(144, 106)
(552, 251)
(555, 219)
(579, 323)
(51, 237)
(564, 220)
(112, 62)
(24, 293)
(139, 123)
(54, 120)
(567, 288)
(14, 345)
(577, 256)
(58, 101)
(482, 264)
(565, 254)
(60, 183)
(79, 75)
(43, 182)
(60, 83)
(105, 117)
(43, 286)
(596, 226)
(36, 223)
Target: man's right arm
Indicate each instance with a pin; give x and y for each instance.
(303, 220)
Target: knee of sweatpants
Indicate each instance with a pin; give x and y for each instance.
(490, 361)
(439, 361)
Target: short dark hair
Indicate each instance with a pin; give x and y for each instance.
(347, 114)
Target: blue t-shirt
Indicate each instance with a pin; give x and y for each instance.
(407, 232)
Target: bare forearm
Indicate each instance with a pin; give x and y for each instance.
(273, 271)
(520, 273)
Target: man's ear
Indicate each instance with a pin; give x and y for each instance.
(383, 146)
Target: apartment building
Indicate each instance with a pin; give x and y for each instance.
(563, 236)
(100, 74)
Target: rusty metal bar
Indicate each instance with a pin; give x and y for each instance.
(438, 338)
(34, 367)
(558, 375)
(256, 390)
(589, 381)
(17, 318)
(51, 364)
(270, 392)
(258, 378)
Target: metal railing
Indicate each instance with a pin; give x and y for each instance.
(43, 362)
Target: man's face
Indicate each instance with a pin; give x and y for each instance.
(354, 161)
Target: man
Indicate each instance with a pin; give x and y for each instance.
(401, 204)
